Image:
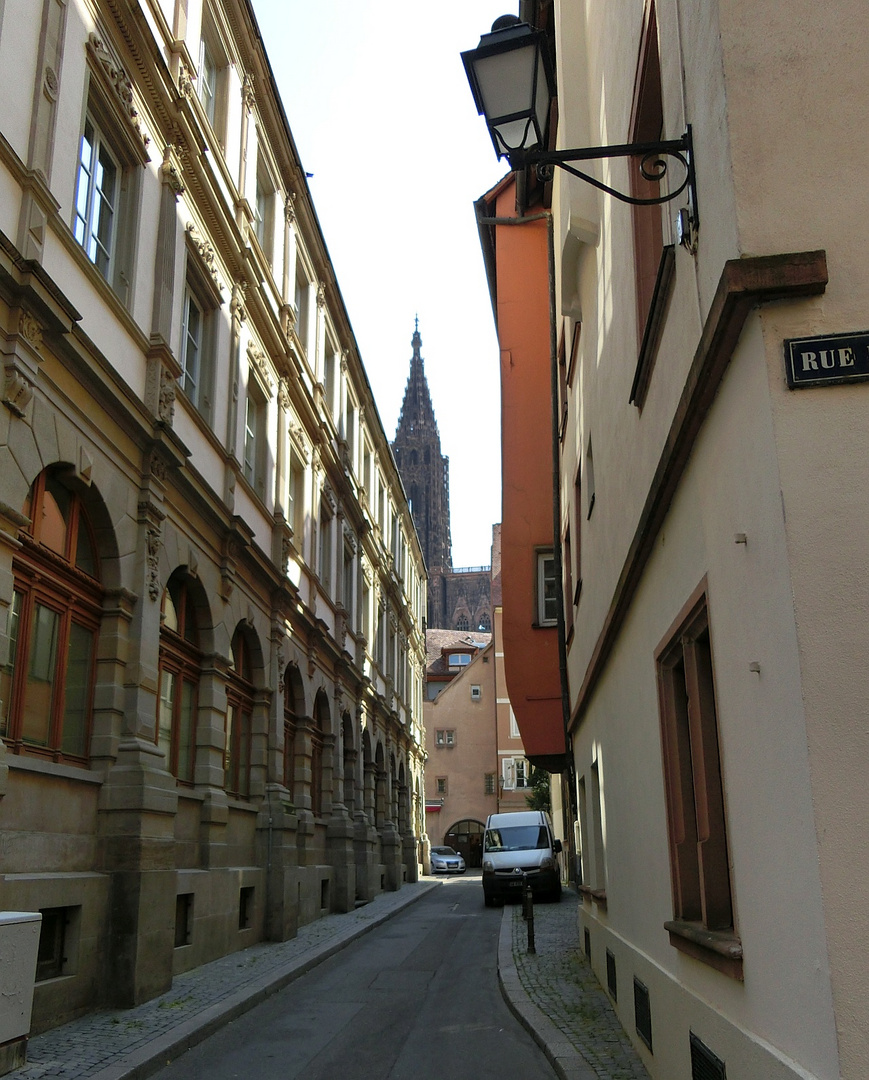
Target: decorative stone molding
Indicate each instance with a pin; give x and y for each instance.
(50, 83)
(156, 467)
(288, 321)
(170, 170)
(321, 294)
(300, 441)
(312, 660)
(345, 361)
(117, 81)
(259, 360)
(237, 307)
(327, 495)
(284, 394)
(30, 329)
(290, 207)
(17, 390)
(153, 541)
(186, 82)
(247, 92)
(206, 254)
(166, 399)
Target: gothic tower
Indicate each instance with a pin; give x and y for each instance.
(425, 473)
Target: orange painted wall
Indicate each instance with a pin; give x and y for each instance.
(530, 652)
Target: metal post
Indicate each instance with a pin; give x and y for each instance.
(528, 901)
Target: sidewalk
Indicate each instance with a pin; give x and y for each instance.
(556, 996)
(553, 993)
(130, 1044)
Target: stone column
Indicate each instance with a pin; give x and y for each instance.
(138, 800)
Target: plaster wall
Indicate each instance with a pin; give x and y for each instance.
(779, 916)
(475, 753)
(531, 651)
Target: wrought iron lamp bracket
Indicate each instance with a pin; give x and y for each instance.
(654, 166)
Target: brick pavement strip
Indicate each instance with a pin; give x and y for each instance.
(130, 1044)
(555, 994)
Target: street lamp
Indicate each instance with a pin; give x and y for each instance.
(512, 82)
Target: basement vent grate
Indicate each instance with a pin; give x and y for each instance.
(643, 1012)
(612, 982)
(586, 936)
(704, 1064)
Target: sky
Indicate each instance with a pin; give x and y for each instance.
(382, 116)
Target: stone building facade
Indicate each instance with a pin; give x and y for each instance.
(212, 628)
(459, 598)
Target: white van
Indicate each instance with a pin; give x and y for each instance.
(519, 847)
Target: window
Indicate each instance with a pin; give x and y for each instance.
(348, 585)
(239, 719)
(654, 262)
(197, 350)
(302, 299)
(567, 568)
(319, 727)
(547, 601)
(47, 685)
(441, 783)
(245, 907)
(476, 693)
(51, 960)
(264, 210)
(324, 557)
(297, 497)
(489, 783)
(180, 662)
(97, 198)
(211, 81)
(459, 659)
(290, 726)
(445, 737)
(515, 773)
(208, 81)
(462, 622)
(331, 373)
(183, 919)
(695, 792)
(514, 726)
(589, 477)
(255, 420)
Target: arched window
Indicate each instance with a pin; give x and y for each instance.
(290, 722)
(239, 714)
(47, 686)
(462, 622)
(319, 727)
(485, 623)
(180, 662)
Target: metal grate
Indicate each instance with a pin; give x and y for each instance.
(587, 942)
(704, 1064)
(643, 1012)
(612, 981)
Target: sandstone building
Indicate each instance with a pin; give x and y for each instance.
(212, 627)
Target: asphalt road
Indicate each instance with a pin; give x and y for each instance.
(415, 999)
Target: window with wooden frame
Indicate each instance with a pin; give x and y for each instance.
(703, 923)
(290, 727)
(198, 333)
(654, 262)
(179, 667)
(239, 718)
(47, 684)
(256, 435)
(546, 589)
(319, 728)
(211, 82)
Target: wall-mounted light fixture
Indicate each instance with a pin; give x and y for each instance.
(512, 82)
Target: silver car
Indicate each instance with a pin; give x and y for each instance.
(446, 861)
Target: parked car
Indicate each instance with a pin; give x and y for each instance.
(446, 861)
(520, 848)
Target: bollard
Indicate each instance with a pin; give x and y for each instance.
(528, 901)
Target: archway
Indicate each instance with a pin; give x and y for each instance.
(466, 837)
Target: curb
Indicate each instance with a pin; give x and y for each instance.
(163, 1049)
(567, 1062)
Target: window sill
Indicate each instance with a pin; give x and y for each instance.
(719, 949)
(597, 895)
